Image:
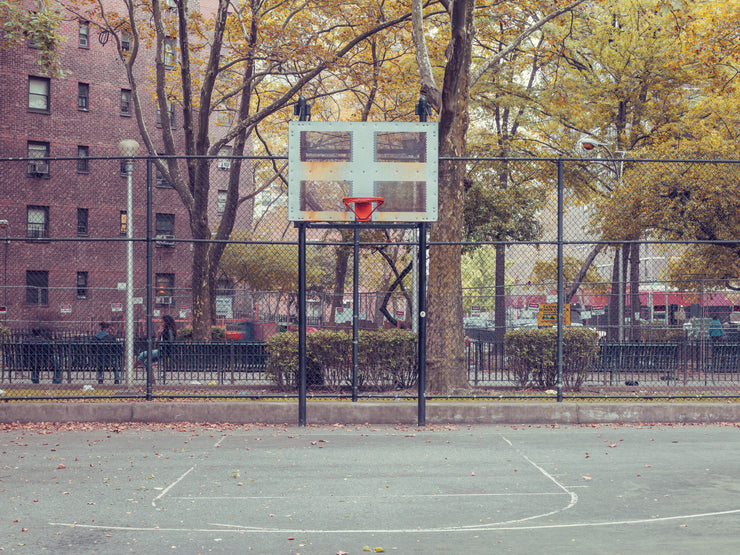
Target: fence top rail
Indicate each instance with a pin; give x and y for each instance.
(553, 159)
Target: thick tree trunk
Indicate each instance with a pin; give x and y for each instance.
(445, 346)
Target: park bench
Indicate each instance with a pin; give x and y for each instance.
(623, 358)
(726, 357)
(219, 361)
(55, 360)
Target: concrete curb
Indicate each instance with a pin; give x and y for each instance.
(328, 412)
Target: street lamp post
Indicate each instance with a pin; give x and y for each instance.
(4, 225)
(128, 149)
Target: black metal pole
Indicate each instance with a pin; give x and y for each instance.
(561, 293)
(301, 323)
(149, 255)
(422, 326)
(355, 308)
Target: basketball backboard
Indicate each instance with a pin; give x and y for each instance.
(330, 161)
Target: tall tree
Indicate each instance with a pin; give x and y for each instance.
(445, 347)
(247, 60)
(618, 64)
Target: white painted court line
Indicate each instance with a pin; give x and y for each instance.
(172, 485)
(511, 525)
(233, 528)
(182, 476)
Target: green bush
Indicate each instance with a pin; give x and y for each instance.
(386, 359)
(532, 356)
(656, 332)
(4, 332)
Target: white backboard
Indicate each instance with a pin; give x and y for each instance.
(330, 161)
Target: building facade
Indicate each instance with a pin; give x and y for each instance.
(63, 192)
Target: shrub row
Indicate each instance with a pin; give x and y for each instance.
(386, 359)
(532, 356)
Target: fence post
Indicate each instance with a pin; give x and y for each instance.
(422, 317)
(149, 255)
(561, 293)
(301, 323)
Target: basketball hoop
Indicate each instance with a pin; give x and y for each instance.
(363, 206)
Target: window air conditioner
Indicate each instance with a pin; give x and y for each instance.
(164, 299)
(37, 167)
(224, 164)
(165, 240)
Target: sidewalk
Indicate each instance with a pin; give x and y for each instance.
(404, 412)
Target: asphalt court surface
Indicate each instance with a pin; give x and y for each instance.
(353, 489)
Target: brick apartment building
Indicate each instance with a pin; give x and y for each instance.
(64, 258)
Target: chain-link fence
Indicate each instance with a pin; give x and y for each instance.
(642, 253)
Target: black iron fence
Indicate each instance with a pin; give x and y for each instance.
(654, 290)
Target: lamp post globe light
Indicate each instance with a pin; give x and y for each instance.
(128, 149)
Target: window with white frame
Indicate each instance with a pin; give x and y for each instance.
(169, 53)
(83, 34)
(126, 41)
(38, 94)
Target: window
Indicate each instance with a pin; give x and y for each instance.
(162, 180)
(125, 41)
(225, 163)
(172, 116)
(165, 230)
(221, 202)
(126, 102)
(38, 94)
(37, 287)
(164, 288)
(83, 35)
(82, 215)
(38, 165)
(123, 220)
(82, 285)
(83, 153)
(169, 53)
(83, 96)
(37, 218)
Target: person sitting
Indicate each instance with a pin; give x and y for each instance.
(167, 334)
